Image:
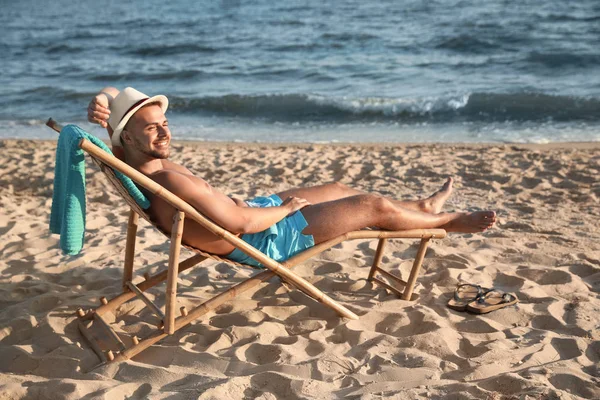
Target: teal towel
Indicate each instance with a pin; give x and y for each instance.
(67, 217)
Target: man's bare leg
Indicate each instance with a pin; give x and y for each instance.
(331, 219)
(336, 191)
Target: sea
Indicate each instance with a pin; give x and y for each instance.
(317, 71)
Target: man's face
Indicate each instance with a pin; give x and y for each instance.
(148, 131)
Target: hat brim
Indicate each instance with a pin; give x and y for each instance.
(164, 105)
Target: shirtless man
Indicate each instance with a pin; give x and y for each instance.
(140, 135)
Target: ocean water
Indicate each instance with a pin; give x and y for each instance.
(314, 70)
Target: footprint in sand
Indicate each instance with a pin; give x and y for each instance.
(303, 327)
(468, 350)
(575, 385)
(475, 326)
(545, 277)
(507, 384)
(246, 318)
(328, 268)
(314, 348)
(507, 282)
(584, 269)
(261, 354)
(566, 348)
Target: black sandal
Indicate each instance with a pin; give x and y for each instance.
(464, 294)
(492, 300)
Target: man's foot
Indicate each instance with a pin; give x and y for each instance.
(435, 202)
(471, 222)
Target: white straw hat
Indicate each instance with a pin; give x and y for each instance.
(125, 105)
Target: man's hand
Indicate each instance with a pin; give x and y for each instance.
(294, 204)
(98, 111)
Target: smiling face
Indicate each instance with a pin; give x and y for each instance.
(148, 132)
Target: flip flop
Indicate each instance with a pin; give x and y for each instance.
(492, 300)
(464, 294)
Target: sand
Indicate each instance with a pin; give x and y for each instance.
(273, 342)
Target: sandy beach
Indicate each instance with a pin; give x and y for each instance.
(274, 342)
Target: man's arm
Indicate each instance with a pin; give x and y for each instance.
(99, 110)
(223, 212)
(99, 107)
(239, 202)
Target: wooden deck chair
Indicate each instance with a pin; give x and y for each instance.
(169, 321)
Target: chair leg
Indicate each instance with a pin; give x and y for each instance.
(91, 341)
(152, 281)
(377, 259)
(196, 313)
(408, 286)
(414, 272)
(393, 279)
(171, 294)
(132, 226)
(153, 307)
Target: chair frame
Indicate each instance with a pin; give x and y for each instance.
(170, 323)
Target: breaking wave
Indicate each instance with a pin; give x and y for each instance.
(479, 107)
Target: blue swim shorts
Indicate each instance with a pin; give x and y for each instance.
(280, 241)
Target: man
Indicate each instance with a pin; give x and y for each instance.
(140, 135)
